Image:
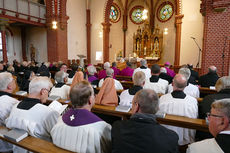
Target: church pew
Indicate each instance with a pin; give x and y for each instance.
(180, 121)
(35, 144)
(121, 78)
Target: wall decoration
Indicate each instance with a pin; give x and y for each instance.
(136, 14)
(115, 13)
(165, 11)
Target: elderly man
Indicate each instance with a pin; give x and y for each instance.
(179, 103)
(102, 73)
(110, 74)
(223, 91)
(31, 115)
(190, 89)
(164, 75)
(128, 71)
(144, 68)
(115, 69)
(142, 133)
(155, 83)
(219, 127)
(7, 86)
(61, 89)
(79, 130)
(210, 78)
(126, 96)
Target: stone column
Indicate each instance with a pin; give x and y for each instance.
(88, 27)
(178, 20)
(106, 30)
(4, 51)
(57, 38)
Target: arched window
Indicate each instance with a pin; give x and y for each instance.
(115, 13)
(165, 11)
(136, 14)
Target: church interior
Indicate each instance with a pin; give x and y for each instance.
(189, 32)
(87, 37)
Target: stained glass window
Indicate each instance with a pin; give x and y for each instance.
(136, 14)
(114, 15)
(165, 11)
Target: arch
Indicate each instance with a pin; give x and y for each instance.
(106, 25)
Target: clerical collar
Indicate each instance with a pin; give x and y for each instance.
(178, 94)
(28, 103)
(78, 117)
(59, 85)
(154, 78)
(2, 93)
(143, 67)
(134, 90)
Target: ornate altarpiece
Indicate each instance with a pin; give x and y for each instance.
(147, 44)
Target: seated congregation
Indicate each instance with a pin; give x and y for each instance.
(155, 89)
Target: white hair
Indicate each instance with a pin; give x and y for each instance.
(106, 65)
(39, 83)
(60, 76)
(143, 62)
(185, 71)
(5, 79)
(91, 69)
(109, 72)
(47, 64)
(163, 70)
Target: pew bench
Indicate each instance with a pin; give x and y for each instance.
(180, 121)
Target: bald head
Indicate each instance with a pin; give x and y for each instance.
(212, 69)
(179, 82)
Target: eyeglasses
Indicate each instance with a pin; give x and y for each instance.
(46, 90)
(210, 114)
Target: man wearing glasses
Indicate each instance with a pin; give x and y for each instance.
(31, 115)
(219, 127)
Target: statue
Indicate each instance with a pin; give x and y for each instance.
(156, 47)
(32, 52)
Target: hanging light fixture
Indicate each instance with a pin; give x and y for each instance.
(54, 23)
(145, 12)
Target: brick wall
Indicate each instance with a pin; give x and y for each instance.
(216, 30)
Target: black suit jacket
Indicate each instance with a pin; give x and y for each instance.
(142, 135)
(208, 80)
(205, 105)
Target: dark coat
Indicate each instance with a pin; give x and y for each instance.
(208, 80)
(142, 135)
(205, 105)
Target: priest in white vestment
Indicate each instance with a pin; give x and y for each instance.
(79, 130)
(144, 68)
(126, 97)
(179, 103)
(7, 86)
(155, 83)
(60, 88)
(219, 127)
(31, 114)
(110, 74)
(190, 89)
